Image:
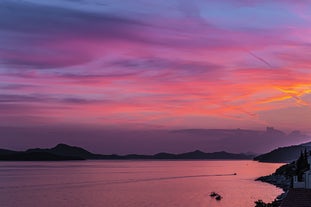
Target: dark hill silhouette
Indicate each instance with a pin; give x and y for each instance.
(66, 152)
(214, 155)
(6, 152)
(164, 156)
(284, 154)
(306, 144)
(59, 152)
(63, 149)
(36, 156)
(197, 154)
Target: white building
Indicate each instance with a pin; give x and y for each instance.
(306, 178)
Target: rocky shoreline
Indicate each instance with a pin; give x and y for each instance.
(281, 178)
(280, 181)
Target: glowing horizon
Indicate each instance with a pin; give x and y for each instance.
(164, 64)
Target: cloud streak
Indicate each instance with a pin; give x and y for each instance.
(173, 64)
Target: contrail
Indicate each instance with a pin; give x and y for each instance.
(260, 59)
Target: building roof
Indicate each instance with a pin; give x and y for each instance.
(297, 197)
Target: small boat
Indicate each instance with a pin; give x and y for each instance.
(218, 197)
(234, 174)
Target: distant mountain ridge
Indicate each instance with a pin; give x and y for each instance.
(67, 152)
(284, 154)
(250, 139)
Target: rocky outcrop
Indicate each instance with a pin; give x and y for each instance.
(282, 177)
(280, 181)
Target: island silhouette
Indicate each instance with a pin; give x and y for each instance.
(67, 152)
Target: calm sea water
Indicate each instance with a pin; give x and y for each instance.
(134, 183)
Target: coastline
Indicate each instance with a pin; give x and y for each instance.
(281, 178)
(279, 181)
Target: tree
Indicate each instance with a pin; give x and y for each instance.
(302, 164)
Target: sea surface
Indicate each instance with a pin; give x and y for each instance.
(134, 183)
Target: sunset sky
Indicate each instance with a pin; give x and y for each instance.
(147, 65)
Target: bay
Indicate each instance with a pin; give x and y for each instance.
(134, 183)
